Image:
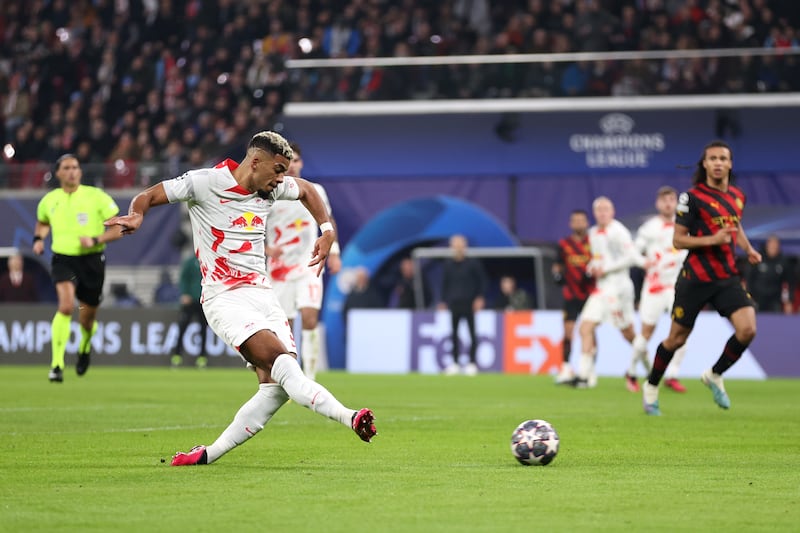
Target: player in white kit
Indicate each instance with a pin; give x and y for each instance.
(662, 263)
(228, 207)
(291, 234)
(611, 300)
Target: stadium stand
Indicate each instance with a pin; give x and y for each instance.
(182, 82)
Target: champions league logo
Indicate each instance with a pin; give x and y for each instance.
(617, 146)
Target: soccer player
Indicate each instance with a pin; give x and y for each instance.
(708, 225)
(662, 263)
(291, 233)
(570, 272)
(74, 213)
(612, 299)
(228, 208)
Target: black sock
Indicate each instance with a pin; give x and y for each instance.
(730, 354)
(663, 357)
(567, 349)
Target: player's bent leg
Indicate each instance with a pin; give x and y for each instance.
(671, 380)
(744, 323)
(260, 350)
(249, 420)
(60, 329)
(87, 317)
(311, 345)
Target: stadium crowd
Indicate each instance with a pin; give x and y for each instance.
(147, 83)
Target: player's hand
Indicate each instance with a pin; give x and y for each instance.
(129, 223)
(322, 248)
(753, 256)
(595, 271)
(724, 235)
(86, 242)
(38, 247)
(478, 304)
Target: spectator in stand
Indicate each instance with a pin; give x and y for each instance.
(363, 294)
(770, 281)
(16, 285)
(166, 292)
(404, 295)
(123, 297)
(512, 298)
(90, 71)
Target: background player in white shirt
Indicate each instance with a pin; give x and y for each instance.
(228, 207)
(611, 300)
(291, 234)
(662, 263)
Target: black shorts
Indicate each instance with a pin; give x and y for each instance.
(87, 272)
(572, 308)
(726, 296)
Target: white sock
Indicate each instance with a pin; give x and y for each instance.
(675, 365)
(307, 392)
(311, 349)
(585, 365)
(249, 420)
(639, 354)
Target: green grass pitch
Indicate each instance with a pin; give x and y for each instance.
(85, 456)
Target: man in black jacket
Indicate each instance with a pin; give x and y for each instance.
(770, 281)
(463, 286)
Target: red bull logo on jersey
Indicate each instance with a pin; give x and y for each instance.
(248, 221)
(299, 224)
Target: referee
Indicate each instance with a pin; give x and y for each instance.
(75, 214)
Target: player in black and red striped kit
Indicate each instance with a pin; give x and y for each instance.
(570, 272)
(708, 224)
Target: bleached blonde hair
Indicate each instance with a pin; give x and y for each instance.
(272, 143)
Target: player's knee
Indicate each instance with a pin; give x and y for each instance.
(676, 340)
(640, 343)
(66, 305)
(746, 333)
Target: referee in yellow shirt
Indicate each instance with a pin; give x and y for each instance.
(75, 214)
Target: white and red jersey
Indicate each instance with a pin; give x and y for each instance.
(293, 229)
(228, 224)
(662, 260)
(613, 251)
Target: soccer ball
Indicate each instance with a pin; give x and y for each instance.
(534, 442)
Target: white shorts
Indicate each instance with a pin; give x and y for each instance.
(237, 314)
(300, 293)
(616, 309)
(654, 304)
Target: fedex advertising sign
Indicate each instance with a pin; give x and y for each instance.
(520, 342)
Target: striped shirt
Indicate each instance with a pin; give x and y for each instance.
(704, 210)
(573, 256)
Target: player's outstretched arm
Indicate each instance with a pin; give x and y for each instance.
(141, 204)
(316, 206)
